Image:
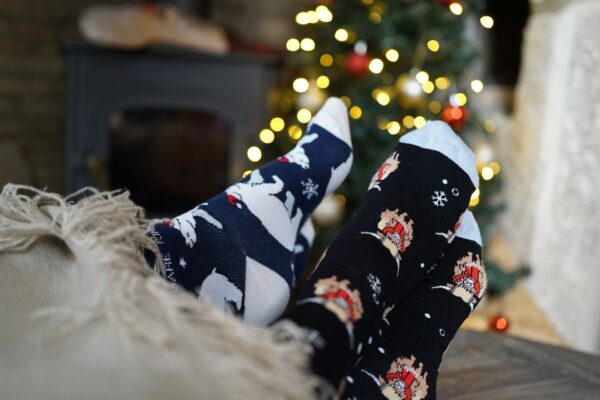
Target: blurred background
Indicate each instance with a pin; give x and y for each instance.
(174, 100)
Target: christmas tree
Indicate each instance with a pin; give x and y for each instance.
(396, 64)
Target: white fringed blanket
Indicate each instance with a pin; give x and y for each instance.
(83, 317)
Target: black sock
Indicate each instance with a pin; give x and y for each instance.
(406, 220)
(403, 362)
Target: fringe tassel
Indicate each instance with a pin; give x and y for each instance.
(111, 231)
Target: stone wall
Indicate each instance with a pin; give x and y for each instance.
(551, 157)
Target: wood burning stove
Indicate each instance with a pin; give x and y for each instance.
(170, 125)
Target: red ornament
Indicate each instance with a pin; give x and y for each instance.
(446, 2)
(456, 117)
(499, 323)
(358, 64)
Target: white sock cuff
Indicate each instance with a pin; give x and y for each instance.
(333, 117)
(469, 229)
(438, 136)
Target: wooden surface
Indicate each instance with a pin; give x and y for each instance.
(490, 366)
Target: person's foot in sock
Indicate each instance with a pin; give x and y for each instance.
(407, 218)
(403, 363)
(237, 249)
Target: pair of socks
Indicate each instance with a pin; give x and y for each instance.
(386, 288)
(391, 266)
(244, 249)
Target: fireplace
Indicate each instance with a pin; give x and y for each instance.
(170, 125)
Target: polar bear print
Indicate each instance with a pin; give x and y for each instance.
(186, 224)
(276, 216)
(298, 155)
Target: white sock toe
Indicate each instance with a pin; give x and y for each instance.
(438, 136)
(333, 117)
(469, 229)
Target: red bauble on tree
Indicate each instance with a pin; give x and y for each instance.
(358, 64)
(456, 117)
(446, 2)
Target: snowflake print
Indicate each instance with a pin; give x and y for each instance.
(182, 262)
(439, 198)
(310, 189)
(375, 284)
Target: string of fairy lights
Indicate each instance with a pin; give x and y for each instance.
(412, 85)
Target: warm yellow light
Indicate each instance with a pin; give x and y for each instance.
(393, 127)
(456, 8)
(303, 115)
(392, 55)
(495, 167)
(474, 198)
(302, 18)
(326, 60)
(435, 106)
(460, 99)
(381, 122)
(376, 65)
(382, 98)
(341, 35)
(433, 45)
(346, 100)
(324, 14)
(295, 132)
(487, 21)
(300, 85)
(367, 2)
(375, 17)
(307, 44)
(487, 173)
(355, 112)
(266, 136)
(408, 121)
(442, 83)
(477, 85)
(428, 87)
(313, 18)
(489, 125)
(246, 173)
(292, 44)
(323, 82)
(420, 121)
(422, 77)
(254, 154)
(277, 124)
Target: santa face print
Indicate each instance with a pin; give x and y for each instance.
(390, 165)
(395, 231)
(403, 380)
(469, 280)
(337, 297)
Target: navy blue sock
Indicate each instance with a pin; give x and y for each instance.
(237, 249)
